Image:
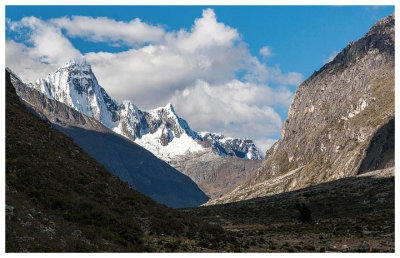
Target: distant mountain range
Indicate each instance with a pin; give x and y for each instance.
(160, 130)
(73, 101)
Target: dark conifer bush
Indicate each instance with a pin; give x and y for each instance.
(305, 213)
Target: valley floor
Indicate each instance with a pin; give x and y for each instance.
(354, 214)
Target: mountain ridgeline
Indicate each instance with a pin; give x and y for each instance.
(340, 122)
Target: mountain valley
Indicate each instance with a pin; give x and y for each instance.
(85, 173)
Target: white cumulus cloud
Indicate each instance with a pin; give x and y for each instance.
(206, 33)
(103, 29)
(45, 49)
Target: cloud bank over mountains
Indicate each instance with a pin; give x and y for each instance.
(207, 71)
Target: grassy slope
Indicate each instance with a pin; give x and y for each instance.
(59, 199)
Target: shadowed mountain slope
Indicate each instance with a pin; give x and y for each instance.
(137, 166)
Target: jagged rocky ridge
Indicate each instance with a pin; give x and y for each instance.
(129, 161)
(335, 119)
(161, 130)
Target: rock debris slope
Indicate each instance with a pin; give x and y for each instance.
(340, 122)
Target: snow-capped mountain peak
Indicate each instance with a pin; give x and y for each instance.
(167, 115)
(170, 108)
(75, 85)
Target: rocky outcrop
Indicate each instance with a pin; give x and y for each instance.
(332, 120)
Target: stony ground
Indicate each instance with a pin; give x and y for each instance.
(353, 214)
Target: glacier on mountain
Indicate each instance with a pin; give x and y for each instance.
(159, 130)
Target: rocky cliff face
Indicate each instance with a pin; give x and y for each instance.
(332, 120)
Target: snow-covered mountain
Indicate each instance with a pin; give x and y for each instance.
(160, 130)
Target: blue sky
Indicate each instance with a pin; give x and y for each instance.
(299, 36)
(296, 39)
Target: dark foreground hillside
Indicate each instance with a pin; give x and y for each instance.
(334, 216)
(59, 199)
